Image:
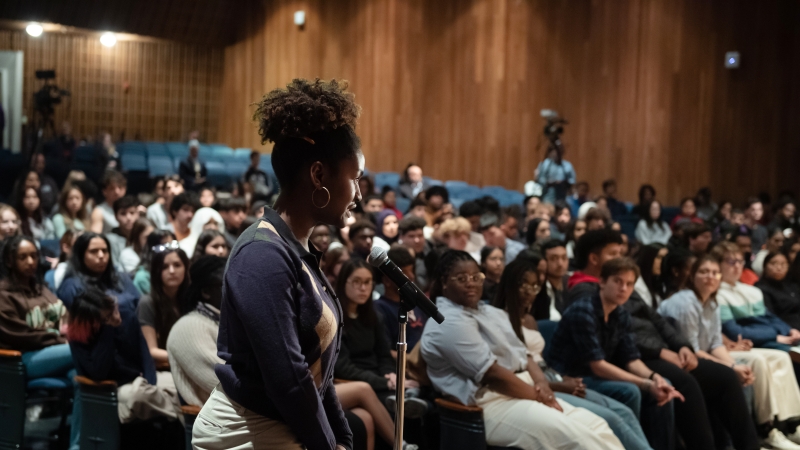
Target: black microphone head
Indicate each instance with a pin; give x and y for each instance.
(377, 256)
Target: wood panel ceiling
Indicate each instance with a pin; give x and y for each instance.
(203, 22)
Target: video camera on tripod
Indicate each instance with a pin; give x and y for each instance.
(553, 129)
(49, 95)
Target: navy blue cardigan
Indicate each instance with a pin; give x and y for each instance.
(280, 334)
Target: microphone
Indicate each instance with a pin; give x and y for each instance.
(411, 293)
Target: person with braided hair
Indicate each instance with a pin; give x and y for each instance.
(280, 320)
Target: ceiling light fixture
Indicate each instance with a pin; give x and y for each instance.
(34, 29)
(108, 39)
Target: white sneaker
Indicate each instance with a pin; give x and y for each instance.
(407, 446)
(795, 437)
(779, 441)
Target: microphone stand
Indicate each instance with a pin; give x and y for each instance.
(406, 305)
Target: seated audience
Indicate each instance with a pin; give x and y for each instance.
(574, 232)
(126, 211)
(181, 211)
(65, 243)
(72, 213)
(47, 185)
(550, 301)
(31, 317)
(651, 229)
(192, 170)
(259, 181)
(697, 238)
(160, 309)
(233, 212)
(389, 198)
(509, 222)
(647, 194)
(688, 214)
(593, 250)
(34, 223)
(366, 351)
(321, 238)
(362, 235)
(494, 236)
(159, 212)
(411, 232)
(141, 279)
(475, 358)
(388, 305)
(129, 257)
(387, 231)
(675, 270)
(615, 207)
(366, 185)
(775, 241)
(594, 341)
(211, 242)
(695, 311)
(114, 186)
(9, 222)
(373, 204)
(781, 295)
(492, 265)
(207, 196)
(454, 233)
(332, 262)
(561, 220)
(753, 213)
(412, 182)
(705, 206)
(785, 215)
(435, 197)
(648, 285)
(538, 231)
(517, 295)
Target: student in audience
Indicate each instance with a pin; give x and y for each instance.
(581, 195)
(786, 215)
(472, 211)
(72, 213)
(130, 256)
(417, 208)
(594, 341)
(107, 344)
(593, 250)
(181, 211)
(436, 197)
(561, 220)
(781, 295)
(493, 262)
(538, 231)
(31, 317)
(159, 310)
(192, 170)
(774, 244)
(688, 214)
(126, 211)
(550, 302)
(412, 236)
(531, 204)
(203, 219)
(35, 223)
(159, 212)
(114, 186)
(362, 235)
(517, 296)
(454, 233)
(366, 350)
(211, 242)
(495, 237)
(597, 219)
(366, 185)
(332, 262)
(321, 238)
(753, 213)
(66, 242)
(48, 188)
(389, 198)
(387, 232)
(697, 237)
(648, 285)
(742, 309)
(208, 197)
(742, 238)
(412, 183)
(675, 270)
(694, 310)
(615, 207)
(373, 204)
(141, 279)
(9, 222)
(475, 347)
(509, 222)
(388, 305)
(233, 212)
(647, 194)
(257, 178)
(651, 229)
(257, 210)
(574, 232)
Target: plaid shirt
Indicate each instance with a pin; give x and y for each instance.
(584, 336)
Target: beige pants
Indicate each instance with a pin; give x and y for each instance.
(775, 388)
(225, 424)
(531, 425)
(141, 400)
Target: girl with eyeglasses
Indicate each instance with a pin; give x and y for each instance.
(517, 291)
(160, 309)
(694, 311)
(476, 358)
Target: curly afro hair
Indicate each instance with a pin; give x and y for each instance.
(305, 108)
(308, 121)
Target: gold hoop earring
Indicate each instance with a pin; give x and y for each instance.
(326, 203)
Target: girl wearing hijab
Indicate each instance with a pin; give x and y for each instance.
(204, 219)
(387, 231)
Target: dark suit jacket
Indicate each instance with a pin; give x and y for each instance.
(407, 191)
(187, 173)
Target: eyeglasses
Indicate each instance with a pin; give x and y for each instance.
(464, 278)
(734, 262)
(530, 287)
(709, 274)
(165, 247)
(360, 283)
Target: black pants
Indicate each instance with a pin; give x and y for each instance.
(714, 408)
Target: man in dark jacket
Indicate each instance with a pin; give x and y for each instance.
(662, 348)
(193, 171)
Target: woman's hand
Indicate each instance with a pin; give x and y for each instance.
(392, 377)
(746, 376)
(546, 397)
(663, 391)
(785, 340)
(671, 357)
(688, 359)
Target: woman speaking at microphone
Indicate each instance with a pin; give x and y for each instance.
(280, 321)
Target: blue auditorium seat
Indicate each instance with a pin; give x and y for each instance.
(84, 153)
(134, 162)
(178, 150)
(236, 169)
(218, 174)
(131, 147)
(449, 184)
(160, 166)
(156, 149)
(390, 179)
(221, 152)
(243, 155)
(402, 204)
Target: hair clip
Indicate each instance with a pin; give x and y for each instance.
(309, 140)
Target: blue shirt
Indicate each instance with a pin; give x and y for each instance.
(279, 334)
(584, 336)
(389, 310)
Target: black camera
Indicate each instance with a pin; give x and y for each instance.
(49, 95)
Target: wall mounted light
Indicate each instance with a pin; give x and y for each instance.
(732, 60)
(108, 39)
(299, 18)
(34, 29)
